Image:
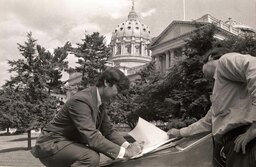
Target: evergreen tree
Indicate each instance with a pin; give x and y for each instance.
(126, 109)
(36, 74)
(7, 113)
(182, 96)
(244, 45)
(92, 55)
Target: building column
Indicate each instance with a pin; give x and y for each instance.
(157, 62)
(167, 57)
(132, 48)
(122, 48)
(142, 46)
(163, 64)
(150, 53)
(114, 51)
(171, 58)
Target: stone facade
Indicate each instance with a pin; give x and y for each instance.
(168, 46)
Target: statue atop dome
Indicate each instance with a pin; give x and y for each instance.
(132, 15)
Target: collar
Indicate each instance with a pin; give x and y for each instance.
(215, 74)
(99, 102)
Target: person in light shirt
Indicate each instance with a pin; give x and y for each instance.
(82, 129)
(232, 116)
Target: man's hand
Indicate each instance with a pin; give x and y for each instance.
(138, 147)
(243, 139)
(133, 149)
(174, 133)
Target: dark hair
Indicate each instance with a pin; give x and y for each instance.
(114, 76)
(215, 53)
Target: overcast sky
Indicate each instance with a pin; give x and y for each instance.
(54, 22)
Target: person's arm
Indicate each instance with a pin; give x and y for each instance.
(201, 126)
(80, 113)
(242, 68)
(107, 129)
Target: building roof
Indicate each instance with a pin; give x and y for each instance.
(172, 24)
(203, 22)
(132, 27)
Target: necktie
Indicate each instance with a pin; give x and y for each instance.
(99, 116)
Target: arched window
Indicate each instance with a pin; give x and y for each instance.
(118, 49)
(138, 49)
(128, 48)
(146, 50)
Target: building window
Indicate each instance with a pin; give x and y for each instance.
(178, 53)
(118, 49)
(128, 48)
(138, 49)
(146, 50)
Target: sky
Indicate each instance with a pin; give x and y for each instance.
(54, 22)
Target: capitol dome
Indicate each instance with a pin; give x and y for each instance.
(132, 27)
(130, 43)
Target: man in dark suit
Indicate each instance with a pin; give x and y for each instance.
(82, 129)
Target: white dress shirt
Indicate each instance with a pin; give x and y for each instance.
(233, 99)
(125, 144)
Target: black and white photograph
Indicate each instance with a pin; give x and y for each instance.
(127, 83)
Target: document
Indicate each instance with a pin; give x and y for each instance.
(152, 136)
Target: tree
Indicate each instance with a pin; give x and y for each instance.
(92, 55)
(56, 63)
(182, 95)
(7, 114)
(244, 45)
(37, 73)
(126, 109)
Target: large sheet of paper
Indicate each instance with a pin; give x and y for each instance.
(152, 136)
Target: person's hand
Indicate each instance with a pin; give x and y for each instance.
(133, 149)
(174, 133)
(137, 146)
(243, 139)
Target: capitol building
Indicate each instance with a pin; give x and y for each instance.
(130, 44)
(132, 47)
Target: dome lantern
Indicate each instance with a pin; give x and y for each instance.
(132, 15)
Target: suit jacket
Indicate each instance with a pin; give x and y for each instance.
(76, 122)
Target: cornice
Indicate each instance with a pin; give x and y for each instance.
(173, 23)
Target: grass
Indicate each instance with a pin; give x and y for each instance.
(13, 151)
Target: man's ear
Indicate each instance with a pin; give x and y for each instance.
(106, 84)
